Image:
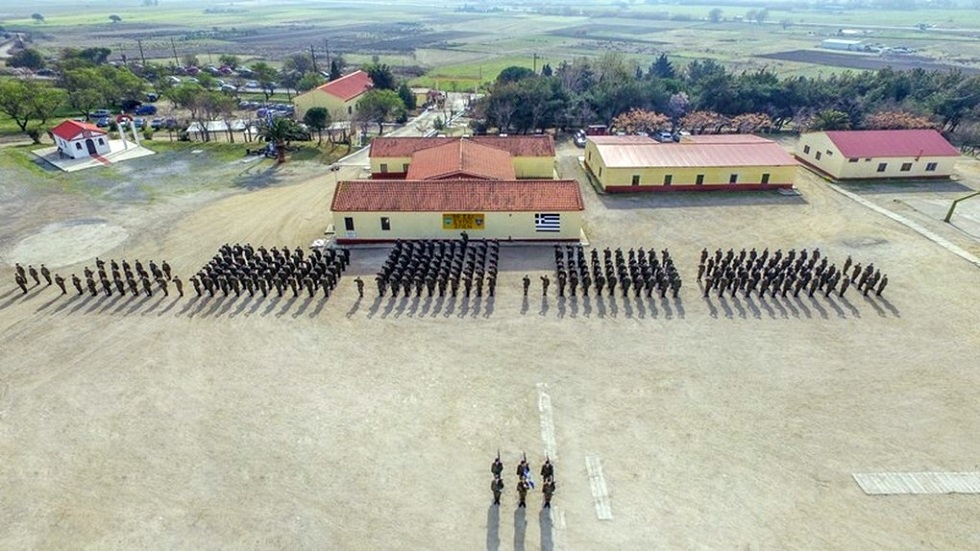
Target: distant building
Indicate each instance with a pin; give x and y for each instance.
(727, 162)
(843, 44)
(78, 139)
(217, 131)
(372, 211)
(487, 157)
(878, 154)
(339, 96)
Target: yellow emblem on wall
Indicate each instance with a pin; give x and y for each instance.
(459, 221)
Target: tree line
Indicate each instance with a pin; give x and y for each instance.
(705, 96)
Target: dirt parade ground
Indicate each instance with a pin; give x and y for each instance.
(367, 423)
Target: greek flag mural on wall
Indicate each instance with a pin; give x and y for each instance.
(550, 222)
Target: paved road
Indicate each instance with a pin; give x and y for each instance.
(419, 126)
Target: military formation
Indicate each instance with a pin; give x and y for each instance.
(782, 274)
(113, 277)
(241, 268)
(525, 482)
(440, 266)
(638, 271)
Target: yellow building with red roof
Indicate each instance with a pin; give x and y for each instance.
(339, 97)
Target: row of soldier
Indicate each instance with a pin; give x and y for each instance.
(794, 272)
(119, 277)
(241, 268)
(525, 481)
(638, 269)
(440, 265)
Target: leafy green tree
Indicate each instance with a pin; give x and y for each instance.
(37, 17)
(334, 70)
(714, 15)
(380, 106)
(309, 82)
(28, 100)
(229, 60)
(86, 88)
(317, 119)
(115, 18)
(829, 119)
(662, 68)
(381, 76)
(29, 58)
(74, 57)
(407, 96)
(280, 132)
(298, 63)
(266, 75)
(514, 74)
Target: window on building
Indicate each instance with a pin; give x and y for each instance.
(78, 145)
(819, 155)
(668, 179)
(867, 160)
(350, 109)
(404, 167)
(636, 179)
(385, 223)
(600, 171)
(765, 178)
(348, 223)
(852, 160)
(589, 155)
(101, 142)
(699, 180)
(806, 149)
(829, 153)
(733, 179)
(931, 167)
(906, 167)
(882, 167)
(384, 167)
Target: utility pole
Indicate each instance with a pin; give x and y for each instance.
(326, 50)
(313, 55)
(535, 62)
(174, 46)
(139, 42)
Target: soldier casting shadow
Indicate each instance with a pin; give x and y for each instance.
(524, 305)
(493, 527)
(464, 307)
(65, 304)
(242, 304)
(891, 308)
(641, 309)
(450, 307)
(854, 311)
(426, 307)
(272, 304)
(167, 308)
(738, 306)
(783, 313)
(375, 306)
(544, 307)
(488, 307)
(837, 309)
(712, 310)
(47, 304)
(627, 308)
(729, 313)
(350, 313)
(561, 308)
(679, 306)
(587, 307)
(136, 305)
(547, 538)
(520, 528)
(153, 306)
(613, 306)
(302, 307)
(600, 304)
(190, 304)
(765, 306)
(874, 304)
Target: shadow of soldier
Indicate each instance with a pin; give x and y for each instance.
(547, 538)
(520, 528)
(493, 528)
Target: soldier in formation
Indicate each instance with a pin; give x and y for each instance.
(109, 278)
(642, 271)
(782, 274)
(241, 267)
(439, 265)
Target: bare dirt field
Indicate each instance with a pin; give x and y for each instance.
(346, 423)
(866, 62)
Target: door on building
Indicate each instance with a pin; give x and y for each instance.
(91, 146)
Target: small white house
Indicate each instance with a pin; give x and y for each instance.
(78, 139)
(843, 44)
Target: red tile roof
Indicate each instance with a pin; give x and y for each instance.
(620, 140)
(457, 196)
(724, 138)
(463, 158)
(518, 146)
(692, 155)
(349, 86)
(891, 143)
(69, 130)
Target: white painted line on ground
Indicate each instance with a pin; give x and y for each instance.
(928, 234)
(600, 491)
(921, 483)
(547, 423)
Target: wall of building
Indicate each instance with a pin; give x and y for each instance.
(396, 167)
(542, 168)
(835, 165)
(516, 226)
(339, 110)
(685, 179)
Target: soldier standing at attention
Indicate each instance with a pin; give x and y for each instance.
(548, 489)
(21, 282)
(497, 467)
(496, 486)
(547, 469)
(881, 286)
(522, 493)
(33, 271)
(46, 274)
(60, 281)
(545, 282)
(360, 286)
(180, 285)
(527, 283)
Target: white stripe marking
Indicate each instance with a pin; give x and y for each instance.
(600, 491)
(921, 483)
(547, 423)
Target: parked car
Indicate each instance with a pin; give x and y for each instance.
(230, 88)
(99, 113)
(103, 122)
(664, 137)
(146, 110)
(580, 138)
(151, 96)
(253, 84)
(173, 80)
